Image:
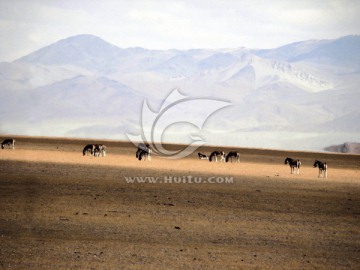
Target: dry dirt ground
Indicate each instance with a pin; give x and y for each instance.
(63, 210)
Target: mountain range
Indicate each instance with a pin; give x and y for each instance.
(302, 95)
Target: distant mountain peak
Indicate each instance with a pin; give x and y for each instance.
(85, 40)
(87, 51)
(86, 37)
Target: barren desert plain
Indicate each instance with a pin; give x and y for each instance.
(63, 210)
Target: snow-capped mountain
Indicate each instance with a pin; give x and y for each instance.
(299, 96)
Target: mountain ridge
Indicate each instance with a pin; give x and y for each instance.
(84, 77)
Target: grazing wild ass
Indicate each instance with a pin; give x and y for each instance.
(10, 143)
(322, 168)
(231, 155)
(89, 149)
(143, 151)
(100, 150)
(202, 156)
(217, 154)
(294, 165)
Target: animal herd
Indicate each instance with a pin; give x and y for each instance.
(215, 155)
(95, 150)
(144, 153)
(296, 163)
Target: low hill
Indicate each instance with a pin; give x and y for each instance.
(348, 147)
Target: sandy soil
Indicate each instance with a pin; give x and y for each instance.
(61, 210)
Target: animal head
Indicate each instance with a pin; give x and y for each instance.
(316, 163)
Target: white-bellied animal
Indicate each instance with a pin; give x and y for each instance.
(89, 149)
(231, 155)
(322, 168)
(216, 155)
(143, 152)
(103, 150)
(99, 150)
(202, 156)
(10, 143)
(294, 165)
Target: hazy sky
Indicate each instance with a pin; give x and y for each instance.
(28, 25)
